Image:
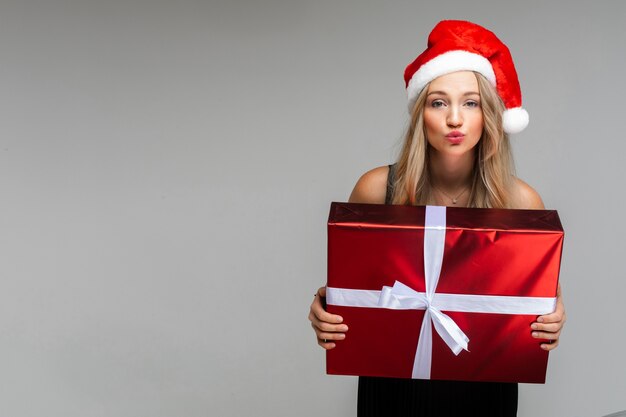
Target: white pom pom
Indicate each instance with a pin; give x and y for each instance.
(514, 120)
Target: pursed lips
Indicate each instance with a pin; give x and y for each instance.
(455, 137)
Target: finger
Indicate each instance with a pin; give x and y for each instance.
(546, 335)
(319, 332)
(549, 327)
(555, 317)
(330, 336)
(321, 291)
(550, 346)
(323, 315)
(328, 327)
(326, 345)
(326, 340)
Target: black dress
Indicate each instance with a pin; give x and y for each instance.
(391, 397)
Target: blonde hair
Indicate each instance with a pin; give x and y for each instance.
(492, 179)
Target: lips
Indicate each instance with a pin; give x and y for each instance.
(455, 137)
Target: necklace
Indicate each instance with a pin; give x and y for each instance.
(454, 199)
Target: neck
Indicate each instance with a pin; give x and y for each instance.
(450, 172)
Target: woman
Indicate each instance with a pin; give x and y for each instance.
(456, 153)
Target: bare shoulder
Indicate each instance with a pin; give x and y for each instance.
(371, 187)
(526, 197)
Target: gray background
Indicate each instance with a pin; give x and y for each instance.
(166, 170)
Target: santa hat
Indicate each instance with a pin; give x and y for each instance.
(455, 45)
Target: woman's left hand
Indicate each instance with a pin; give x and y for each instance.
(549, 326)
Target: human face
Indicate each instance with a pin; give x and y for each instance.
(453, 118)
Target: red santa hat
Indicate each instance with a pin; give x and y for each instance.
(456, 45)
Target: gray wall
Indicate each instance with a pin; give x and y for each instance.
(166, 170)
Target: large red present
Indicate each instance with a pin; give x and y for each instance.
(441, 293)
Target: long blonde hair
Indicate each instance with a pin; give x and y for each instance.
(493, 171)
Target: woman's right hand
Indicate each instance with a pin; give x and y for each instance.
(328, 327)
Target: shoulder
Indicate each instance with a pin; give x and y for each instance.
(371, 187)
(525, 196)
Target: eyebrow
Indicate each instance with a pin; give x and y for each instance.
(443, 93)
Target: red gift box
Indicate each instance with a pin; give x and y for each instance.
(441, 293)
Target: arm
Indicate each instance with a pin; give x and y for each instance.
(371, 188)
(548, 326)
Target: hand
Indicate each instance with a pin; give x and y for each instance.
(549, 326)
(327, 326)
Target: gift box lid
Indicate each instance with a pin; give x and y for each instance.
(381, 215)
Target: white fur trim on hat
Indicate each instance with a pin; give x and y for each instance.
(514, 120)
(446, 63)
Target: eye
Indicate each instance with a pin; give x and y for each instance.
(472, 103)
(437, 103)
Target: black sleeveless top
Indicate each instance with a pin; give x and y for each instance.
(391, 397)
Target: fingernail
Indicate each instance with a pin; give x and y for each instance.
(339, 319)
(343, 328)
(534, 326)
(544, 347)
(342, 336)
(535, 334)
(540, 319)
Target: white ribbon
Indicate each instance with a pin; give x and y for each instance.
(449, 331)
(402, 297)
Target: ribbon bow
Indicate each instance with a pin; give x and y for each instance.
(403, 297)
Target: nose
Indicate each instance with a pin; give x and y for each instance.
(455, 118)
